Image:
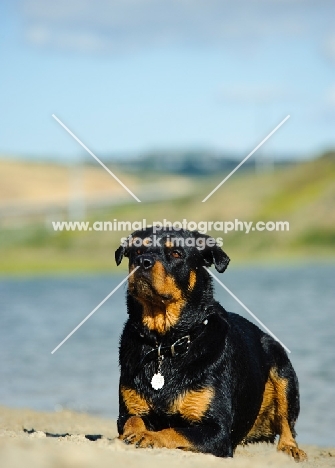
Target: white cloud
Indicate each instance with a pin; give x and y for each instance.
(123, 24)
(38, 35)
(82, 41)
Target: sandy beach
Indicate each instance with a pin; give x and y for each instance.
(67, 439)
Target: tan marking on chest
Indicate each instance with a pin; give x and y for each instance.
(135, 403)
(160, 319)
(193, 404)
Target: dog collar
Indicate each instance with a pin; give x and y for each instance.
(157, 381)
(178, 347)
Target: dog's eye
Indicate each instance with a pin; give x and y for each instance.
(138, 252)
(175, 254)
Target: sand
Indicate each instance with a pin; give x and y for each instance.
(47, 447)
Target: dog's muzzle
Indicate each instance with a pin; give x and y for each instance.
(145, 261)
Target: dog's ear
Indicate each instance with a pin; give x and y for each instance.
(219, 258)
(121, 252)
(212, 253)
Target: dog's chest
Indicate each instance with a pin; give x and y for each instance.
(178, 395)
(161, 376)
(176, 398)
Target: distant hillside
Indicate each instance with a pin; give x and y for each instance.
(302, 194)
(192, 163)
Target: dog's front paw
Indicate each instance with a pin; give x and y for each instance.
(133, 431)
(145, 439)
(149, 439)
(133, 427)
(128, 438)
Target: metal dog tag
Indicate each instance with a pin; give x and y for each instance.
(157, 381)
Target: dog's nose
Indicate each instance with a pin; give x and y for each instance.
(145, 261)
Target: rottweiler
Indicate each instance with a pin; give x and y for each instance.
(192, 375)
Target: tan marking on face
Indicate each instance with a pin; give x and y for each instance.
(131, 278)
(274, 413)
(147, 241)
(161, 316)
(164, 283)
(193, 404)
(135, 403)
(169, 244)
(192, 280)
(135, 432)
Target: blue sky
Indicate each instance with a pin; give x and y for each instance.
(129, 76)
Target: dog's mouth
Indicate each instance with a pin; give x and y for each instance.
(142, 288)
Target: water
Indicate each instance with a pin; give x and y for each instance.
(297, 304)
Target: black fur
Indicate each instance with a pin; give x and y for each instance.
(229, 354)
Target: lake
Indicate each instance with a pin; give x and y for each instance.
(296, 303)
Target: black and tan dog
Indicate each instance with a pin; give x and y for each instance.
(194, 376)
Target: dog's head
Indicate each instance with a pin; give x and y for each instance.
(168, 263)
